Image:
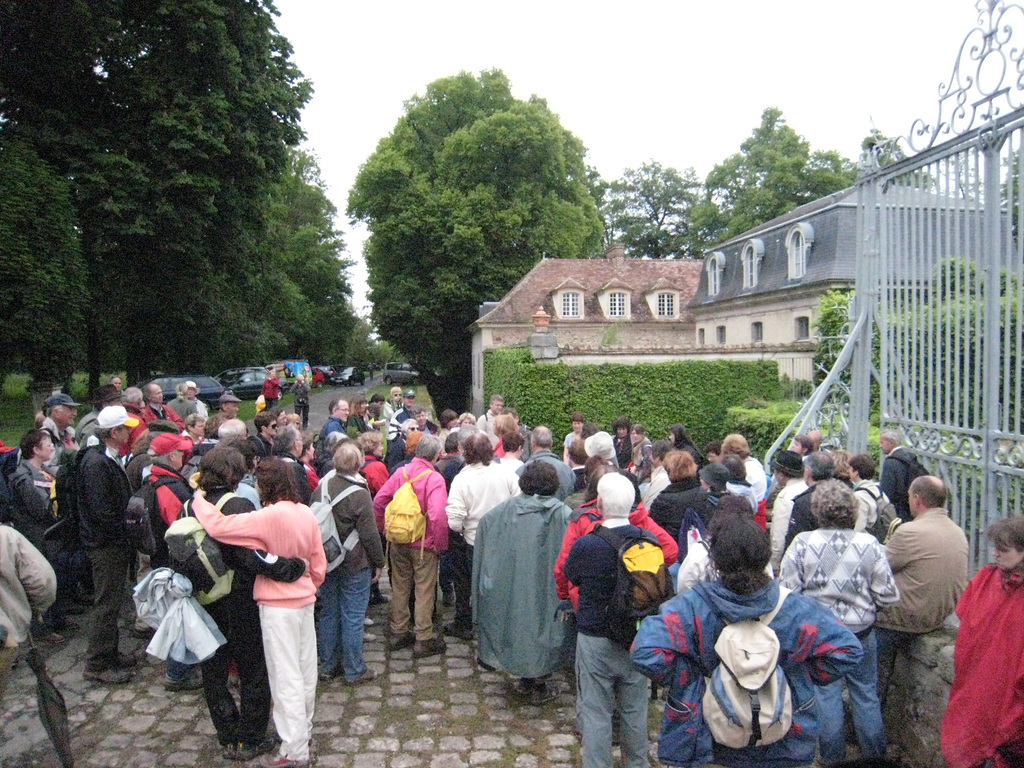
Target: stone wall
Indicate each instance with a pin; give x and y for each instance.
(917, 699)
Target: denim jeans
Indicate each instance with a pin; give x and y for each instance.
(343, 602)
(867, 713)
(606, 682)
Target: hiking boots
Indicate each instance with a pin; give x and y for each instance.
(398, 642)
(431, 647)
(454, 630)
(366, 677)
(108, 675)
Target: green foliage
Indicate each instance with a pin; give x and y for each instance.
(761, 424)
(171, 121)
(649, 210)
(467, 193)
(773, 173)
(41, 269)
(695, 393)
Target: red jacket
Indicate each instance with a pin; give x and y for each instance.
(272, 388)
(583, 520)
(376, 473)
(148, 414)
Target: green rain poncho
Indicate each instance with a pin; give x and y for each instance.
(514, 598)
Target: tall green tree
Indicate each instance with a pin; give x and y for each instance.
(650, 209)
(467, 193)
(774, 172)
(171, 119)
(305, 287)
(41, 269)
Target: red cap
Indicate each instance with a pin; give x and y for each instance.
(165, 443)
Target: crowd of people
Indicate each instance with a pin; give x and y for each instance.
(839, 572)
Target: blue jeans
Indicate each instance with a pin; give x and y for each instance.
(867, 713)
(607, 681)
(343, 602)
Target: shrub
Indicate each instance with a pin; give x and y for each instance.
(761, 424)
(696, 393)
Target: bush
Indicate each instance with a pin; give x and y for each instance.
(761, 424)
(696, 393)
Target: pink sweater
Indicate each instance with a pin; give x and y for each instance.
(285, 529)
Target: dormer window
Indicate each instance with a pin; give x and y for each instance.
(617, 304)
(666, 305)
(798, 244)
(715, 267)
(572, 304)
(751, 257)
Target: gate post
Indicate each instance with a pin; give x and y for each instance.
(991, 142)
(865, 299)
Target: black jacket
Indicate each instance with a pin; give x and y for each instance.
(668, 509)
(103, 493)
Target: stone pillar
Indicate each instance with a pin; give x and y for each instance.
(542, 342)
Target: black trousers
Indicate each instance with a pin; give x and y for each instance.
(238, 617)
(302, 409)
(461, 555)
(110, 566)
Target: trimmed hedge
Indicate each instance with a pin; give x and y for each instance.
(761, 424)
(696, 393)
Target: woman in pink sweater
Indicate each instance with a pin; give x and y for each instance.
(286, 528)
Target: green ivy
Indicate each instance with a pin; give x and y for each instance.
(696, 393)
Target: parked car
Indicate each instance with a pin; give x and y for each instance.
(247, 383)
(348, 376)
(400, 373)
(210, 389)
(321, 375)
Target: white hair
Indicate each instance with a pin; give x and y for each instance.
(615, 494)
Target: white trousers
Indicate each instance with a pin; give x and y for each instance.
(289, 643)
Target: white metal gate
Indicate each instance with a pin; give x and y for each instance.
(938, 314)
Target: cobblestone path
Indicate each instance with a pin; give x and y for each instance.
(439, 712)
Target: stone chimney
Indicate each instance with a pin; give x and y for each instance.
(616, 254)
(542, 342)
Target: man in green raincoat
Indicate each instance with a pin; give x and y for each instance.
(514, 597)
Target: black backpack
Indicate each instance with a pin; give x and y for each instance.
(143, 512)
(8, 463)
(887, 515)
(64, 498)
(642, 582)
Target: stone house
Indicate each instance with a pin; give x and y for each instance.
(606, 309)
(759, 292)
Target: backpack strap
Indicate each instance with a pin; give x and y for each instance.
(345, 493)
(769, 617)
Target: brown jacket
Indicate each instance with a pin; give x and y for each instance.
(928, 556)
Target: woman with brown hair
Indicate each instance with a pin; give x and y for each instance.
(682, 493)
(286, 528)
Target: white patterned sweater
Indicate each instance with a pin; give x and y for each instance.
(843, 570)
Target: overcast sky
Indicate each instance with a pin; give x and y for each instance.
(682, 82)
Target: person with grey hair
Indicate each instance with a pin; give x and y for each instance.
(419, 414)
(900, 468)
(181, 404)
(849, 574)
(606, 680)
(818, 466)
(541, 442)
(288, 446)
(324, 461)
(414, 566)
(345, 593)
(231, 430)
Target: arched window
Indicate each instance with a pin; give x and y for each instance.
(798, 244)
(751, 257)
(715, 267)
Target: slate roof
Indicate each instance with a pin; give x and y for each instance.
(830, 258)
(590, 277)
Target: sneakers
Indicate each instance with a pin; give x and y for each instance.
(193, 681)
(398, 642)
(283, 762)
(366, 677)
(463, 633)
(108, 675)
(368, 622)
(431, 647)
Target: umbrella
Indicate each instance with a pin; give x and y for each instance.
(52, 709)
